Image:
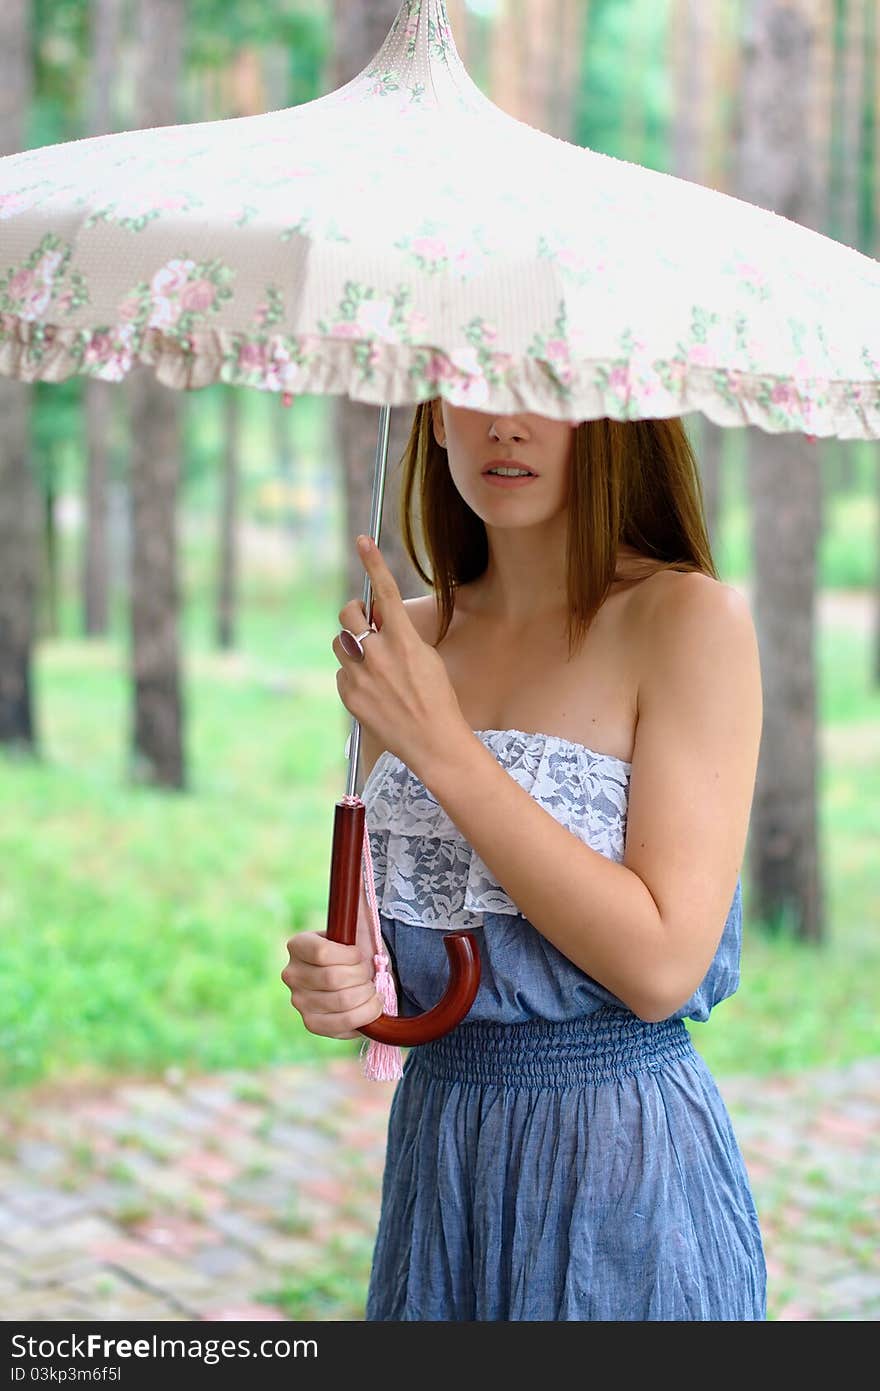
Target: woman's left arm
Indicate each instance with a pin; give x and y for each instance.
(647, 928)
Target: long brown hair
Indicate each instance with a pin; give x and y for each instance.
(633, 483)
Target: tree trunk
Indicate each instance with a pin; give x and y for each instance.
(535, 62)
(852, 99)
(246, 96)
(106, 20)
(537, 47)
(96, 550)
(635, 80)
(874, 50)
(282, 443)
(227, 568)
(721, 55)
(689, 41)
(834, 450)
(539, 38)
(157, 753)
(722, 96)
(776, 171)
(457, 14)
(875, 663)
(157, 748)
(822, 110)
(360, 29)
(275, 78)
(19, 559)
(852, 171)
(693, 46)
(19, 503)
(507, 59)
(825, 127)
(48, 615)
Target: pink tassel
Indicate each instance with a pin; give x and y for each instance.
(382, 1062)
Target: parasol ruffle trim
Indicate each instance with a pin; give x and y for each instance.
(382, 373)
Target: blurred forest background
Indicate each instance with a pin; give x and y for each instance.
(172, 565)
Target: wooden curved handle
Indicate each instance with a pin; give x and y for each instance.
(342, 916)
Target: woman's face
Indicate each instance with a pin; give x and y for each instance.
(475, 439)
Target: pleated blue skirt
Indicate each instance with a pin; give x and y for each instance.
(564, 1170)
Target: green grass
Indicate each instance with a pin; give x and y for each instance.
(143, 929)
(334, 1288)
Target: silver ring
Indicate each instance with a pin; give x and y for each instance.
(352, 643)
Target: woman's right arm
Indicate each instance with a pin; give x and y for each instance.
(330, 984)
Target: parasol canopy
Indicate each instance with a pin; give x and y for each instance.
(402, 238)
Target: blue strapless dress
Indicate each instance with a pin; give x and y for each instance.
(554, 1157)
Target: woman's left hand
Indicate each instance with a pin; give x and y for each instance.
(400, 690)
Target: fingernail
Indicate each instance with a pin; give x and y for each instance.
(364, 543)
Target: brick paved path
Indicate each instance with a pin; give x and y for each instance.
(255, 1195)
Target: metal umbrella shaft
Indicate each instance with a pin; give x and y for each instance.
(347, 854)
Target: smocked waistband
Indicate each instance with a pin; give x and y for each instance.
(601, 1047)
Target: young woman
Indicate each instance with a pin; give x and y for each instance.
(560, 743)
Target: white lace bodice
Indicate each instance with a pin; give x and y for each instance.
(427, 874)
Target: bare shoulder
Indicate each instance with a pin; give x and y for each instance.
(694, 605)
(671, 586)
(687, 627)
(698, 651)
(700, 604)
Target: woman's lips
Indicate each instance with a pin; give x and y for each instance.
(500, 482)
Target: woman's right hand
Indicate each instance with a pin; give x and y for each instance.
(331, 985)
